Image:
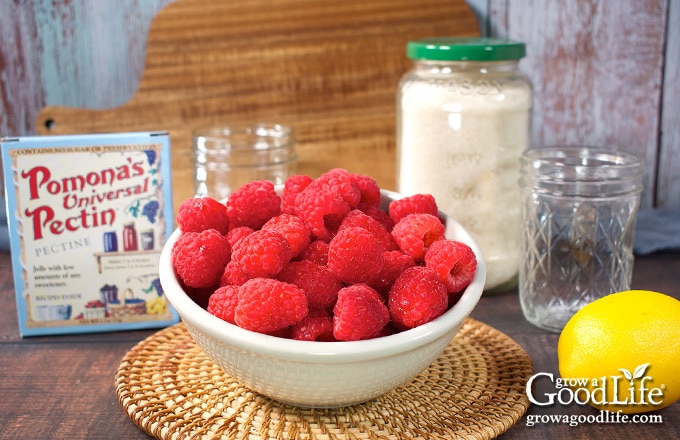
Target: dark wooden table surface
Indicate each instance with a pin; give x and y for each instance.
(62, 387)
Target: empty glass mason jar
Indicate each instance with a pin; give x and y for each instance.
(463, 120)
(578, 209)
(226, 157)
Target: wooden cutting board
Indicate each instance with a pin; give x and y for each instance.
(328, 69)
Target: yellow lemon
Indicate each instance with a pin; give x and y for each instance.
(627, 346)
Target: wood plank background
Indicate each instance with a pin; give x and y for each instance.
(327, 69)
(604, 73)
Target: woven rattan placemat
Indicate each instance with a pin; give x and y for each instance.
(474, 390)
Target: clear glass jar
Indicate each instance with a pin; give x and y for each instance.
(578, 214)
(226, 157)
(463, 120)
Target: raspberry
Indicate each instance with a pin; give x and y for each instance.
(361, 220)
(253, 204)
(368, 188)
(293, 186)
(236, 234)
(378, 215)
(394, 263)
(316, 252)
(321, 211)
(266, 305)
(359, 313)
(201, 213)
(415, 204)
(416, 232)
(233, 275)
(293, 228)
(418, 296)
(354, 255)
(338, 181)
(222, 303)
(454, 262)
(316, 326)
(199, 257)
(318, 283)
(261, 254)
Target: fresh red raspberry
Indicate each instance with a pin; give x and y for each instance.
(354, 255)
(418, 296)
(199, 257)
(322, 211)
(232, 275)
(261, 254)
(316, 252)
(454, 262)
(338, 181)
(222, 303)
(359, 313)
(318, 283)
(293, 228)
(369, 189)
(201, 213)
(361, 220)
(415, 233)
(235, 234)
(266, 305)
(293, 186)
(415, 204)
(253, 204)
(378, 215)
(316, 326)
(394, 263)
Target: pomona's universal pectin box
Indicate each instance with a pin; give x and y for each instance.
(88, 216)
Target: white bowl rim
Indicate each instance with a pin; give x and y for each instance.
(317, 351)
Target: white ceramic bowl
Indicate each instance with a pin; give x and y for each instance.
(322, 374)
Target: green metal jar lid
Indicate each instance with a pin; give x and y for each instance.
(465, 49)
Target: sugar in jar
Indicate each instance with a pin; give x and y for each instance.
(463, 120)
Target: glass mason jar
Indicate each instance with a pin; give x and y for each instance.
(226, 157)
(578, 213)
(463, 120)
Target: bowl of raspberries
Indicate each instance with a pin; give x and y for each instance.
(321, 292)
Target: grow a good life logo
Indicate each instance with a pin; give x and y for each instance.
(629, 392)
